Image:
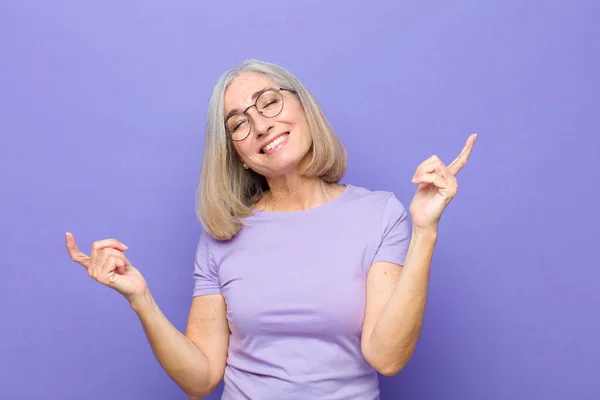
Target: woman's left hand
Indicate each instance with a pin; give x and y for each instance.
(437, 187)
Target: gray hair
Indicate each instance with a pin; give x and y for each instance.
(228, 192)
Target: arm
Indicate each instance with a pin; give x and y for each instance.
(395, 306)
(195, 361)
(396, 300)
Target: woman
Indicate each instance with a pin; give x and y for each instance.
(304, 288)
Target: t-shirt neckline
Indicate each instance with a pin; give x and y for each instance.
(309, 211)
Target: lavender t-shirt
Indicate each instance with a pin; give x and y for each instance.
(294, 284)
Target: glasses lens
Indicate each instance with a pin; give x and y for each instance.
(270, 103)
(238, 127)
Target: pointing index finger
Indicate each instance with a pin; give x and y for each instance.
(74, 252)
(463, 157)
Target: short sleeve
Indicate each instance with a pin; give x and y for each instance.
(395, 236)
(206, 276)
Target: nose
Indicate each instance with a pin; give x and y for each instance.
(260, 124)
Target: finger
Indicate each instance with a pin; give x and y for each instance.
(460, 161)
(101, 244)
(428, 161)
(432, 164)
(111, 264)
(117, 254)
(74, 252)
(97, 263)
(434, 178)
(107, 275)
(425, 166)
(121, 266)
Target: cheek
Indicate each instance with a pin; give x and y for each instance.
(305, 130)
(243, 149)
(299, 124)
(306, 136)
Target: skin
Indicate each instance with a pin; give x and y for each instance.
(288, 190)
(396, 294)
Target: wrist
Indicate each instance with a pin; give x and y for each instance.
(429, 233)
(140, 301)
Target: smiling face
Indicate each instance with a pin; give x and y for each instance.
(275, 146)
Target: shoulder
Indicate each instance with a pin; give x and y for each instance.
(377, 205)
(378, 199)
(205, 237)
(206, 242)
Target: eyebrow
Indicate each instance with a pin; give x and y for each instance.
(237, 111)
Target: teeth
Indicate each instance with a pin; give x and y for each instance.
(274, 143)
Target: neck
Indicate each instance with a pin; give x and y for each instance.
(296, 193)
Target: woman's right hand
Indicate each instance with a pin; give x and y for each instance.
(109, 266)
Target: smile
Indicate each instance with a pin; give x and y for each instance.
(275, 145)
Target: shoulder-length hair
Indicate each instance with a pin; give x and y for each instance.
(227, 192)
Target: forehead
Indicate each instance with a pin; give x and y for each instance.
(240, 91)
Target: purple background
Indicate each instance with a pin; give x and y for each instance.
(102, 110)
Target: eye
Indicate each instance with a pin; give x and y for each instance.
(271, 102)
(235, 124)
(240, 125)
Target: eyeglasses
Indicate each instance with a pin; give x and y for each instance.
(269, 104)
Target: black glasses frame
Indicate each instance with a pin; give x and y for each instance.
(254, 105)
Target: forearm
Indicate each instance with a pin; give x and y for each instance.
(183, 361)
(397, 330)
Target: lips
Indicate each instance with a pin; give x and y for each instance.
(271, 144)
